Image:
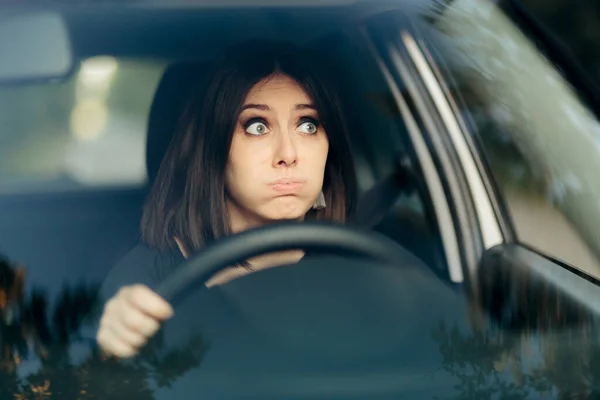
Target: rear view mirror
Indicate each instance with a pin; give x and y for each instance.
(34, 46)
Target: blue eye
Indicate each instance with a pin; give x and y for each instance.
(309, 127)
(256, 128)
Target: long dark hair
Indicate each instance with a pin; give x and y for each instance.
(187, 199)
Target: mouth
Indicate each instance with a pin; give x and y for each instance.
(287, 186)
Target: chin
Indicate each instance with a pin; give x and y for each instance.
(287, 209)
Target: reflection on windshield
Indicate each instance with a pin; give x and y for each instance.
(43, 356)
(495, 364)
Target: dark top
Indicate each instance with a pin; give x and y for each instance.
(142, 265)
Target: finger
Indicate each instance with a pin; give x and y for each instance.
(121, 316)
(112, 345)
(112, 309)
(149, 302)
(127, 335)
(134, 320)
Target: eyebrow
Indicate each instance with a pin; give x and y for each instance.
(304, 107)
(264, 107)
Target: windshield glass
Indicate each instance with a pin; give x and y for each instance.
(164, 146)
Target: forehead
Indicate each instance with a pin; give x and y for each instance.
(280, 88)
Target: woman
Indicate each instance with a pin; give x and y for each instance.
(263, 141)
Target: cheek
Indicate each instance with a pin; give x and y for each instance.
(236, 173)
(244, 165)
(317, 157)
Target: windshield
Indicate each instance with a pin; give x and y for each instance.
(182, 130)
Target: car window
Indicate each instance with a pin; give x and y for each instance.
(86, 132)
(541, 141)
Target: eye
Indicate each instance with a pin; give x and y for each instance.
(309, 127)
(256, 128)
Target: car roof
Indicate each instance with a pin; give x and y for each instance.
(173, 29)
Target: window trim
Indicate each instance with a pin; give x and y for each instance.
(468, 127)
(433, 181)
(426, 162)
(488, 223)
(468, 228)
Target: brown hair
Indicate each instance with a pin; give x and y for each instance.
(187, 199)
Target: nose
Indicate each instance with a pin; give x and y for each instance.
(285, 154)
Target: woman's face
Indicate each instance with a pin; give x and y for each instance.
(277, 157)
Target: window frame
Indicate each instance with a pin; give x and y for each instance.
(462, 229)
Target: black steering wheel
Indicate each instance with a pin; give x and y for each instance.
(310, 236)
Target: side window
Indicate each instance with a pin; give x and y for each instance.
(541, 141)
(87, 132)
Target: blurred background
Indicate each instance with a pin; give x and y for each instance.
(87, 131)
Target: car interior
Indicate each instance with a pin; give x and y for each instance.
(94, 228)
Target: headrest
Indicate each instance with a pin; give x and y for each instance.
(167, 107)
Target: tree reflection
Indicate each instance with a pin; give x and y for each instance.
(527, 338)
(494, 364)
(533, 361)
(43, 355)
(478, 360)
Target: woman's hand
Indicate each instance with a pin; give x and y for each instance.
(130, 319)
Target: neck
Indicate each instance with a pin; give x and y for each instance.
(240, 221)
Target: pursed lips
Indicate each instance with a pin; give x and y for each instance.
(287, 186)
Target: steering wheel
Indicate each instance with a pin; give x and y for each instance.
(310, 236)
